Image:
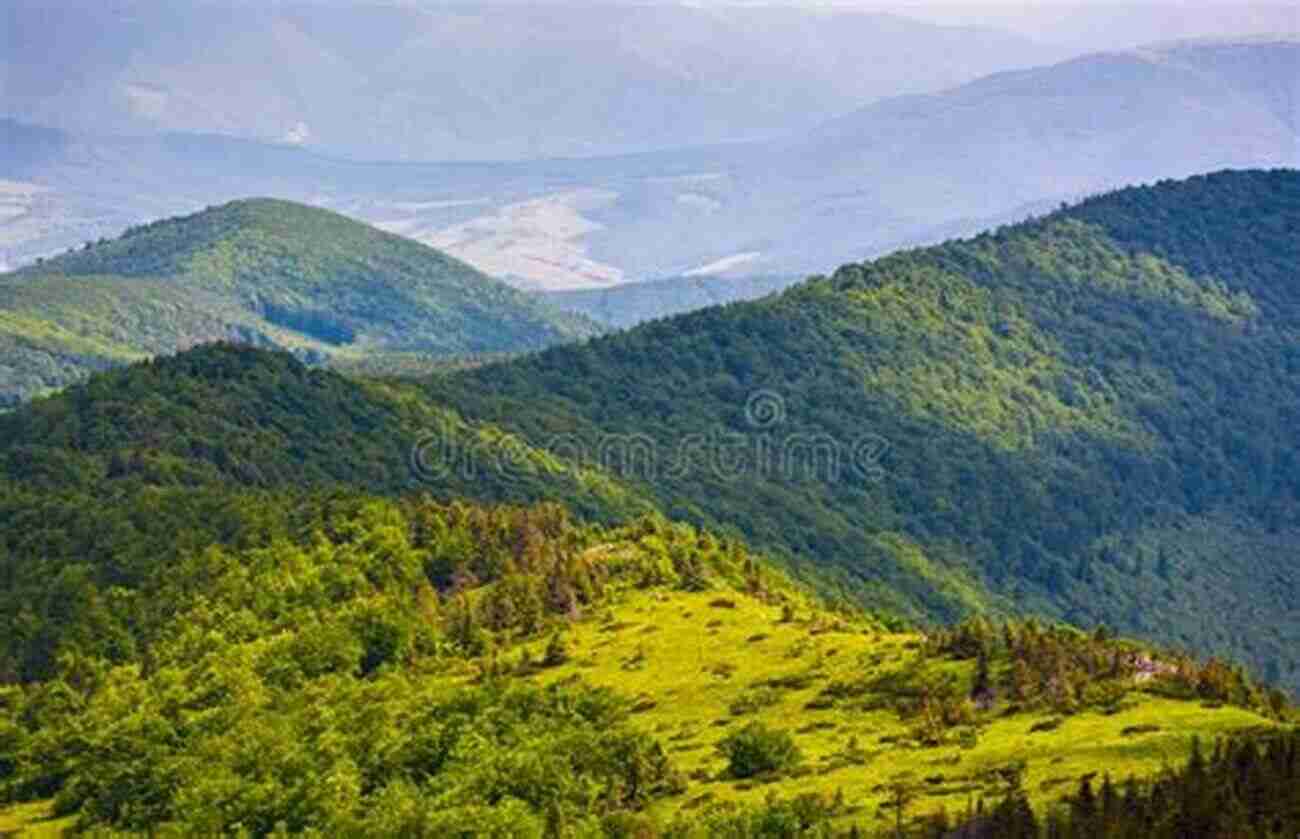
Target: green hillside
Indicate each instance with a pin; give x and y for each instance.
(224, 414)
(263, 272)
(246, 595)
(1059, 418)
(1091, 416)
(336, 664)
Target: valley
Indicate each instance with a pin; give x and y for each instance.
(900, 172)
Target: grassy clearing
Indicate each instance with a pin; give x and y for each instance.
(32, 821)
(699, 666)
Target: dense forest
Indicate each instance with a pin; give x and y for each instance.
(1092, 416)
(305, 673)
(262, 272)
(229, 414)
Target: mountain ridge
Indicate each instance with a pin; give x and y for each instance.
(795, 204)
(1005, 373)
(460, 82)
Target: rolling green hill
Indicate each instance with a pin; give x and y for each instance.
(223, 414)
(345, 665)
(1093, 416)
(263, 272)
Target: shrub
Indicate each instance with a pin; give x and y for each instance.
(557, 652)
(759, 750)
(755, 700)
(1142, 728)
(1106, 694)
(722, 669)
(1050, 724)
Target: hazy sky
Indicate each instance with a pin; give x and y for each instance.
(1108, 23)
(1077, 23)
(1085, 23)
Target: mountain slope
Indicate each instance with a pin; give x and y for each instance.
(222, 414)
(1093, 416)
(266, 272)
(1069, 417)
(507, 668)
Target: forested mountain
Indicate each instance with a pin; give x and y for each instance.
(1092, 415)
(243, 594)
(223, 414)
(268, 273)
(1089, 416)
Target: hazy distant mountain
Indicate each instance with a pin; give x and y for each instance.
(1119, 24)
(905, 171)
(886, 174)
(387, 81)
(631, 303)
(1106, 118)
(270, 273)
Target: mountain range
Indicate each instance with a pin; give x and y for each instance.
(1090, 416)
(383, 81)
(795, 566)
(550, 589)
(517, 466)
(908, 170)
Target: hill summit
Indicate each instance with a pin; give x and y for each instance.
(264, 272)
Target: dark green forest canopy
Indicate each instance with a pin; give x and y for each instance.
(225, 414)
(264, 272)
(1093, 415)
(1247, 787)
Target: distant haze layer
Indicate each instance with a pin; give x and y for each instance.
(901, 171)
(474, 82)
